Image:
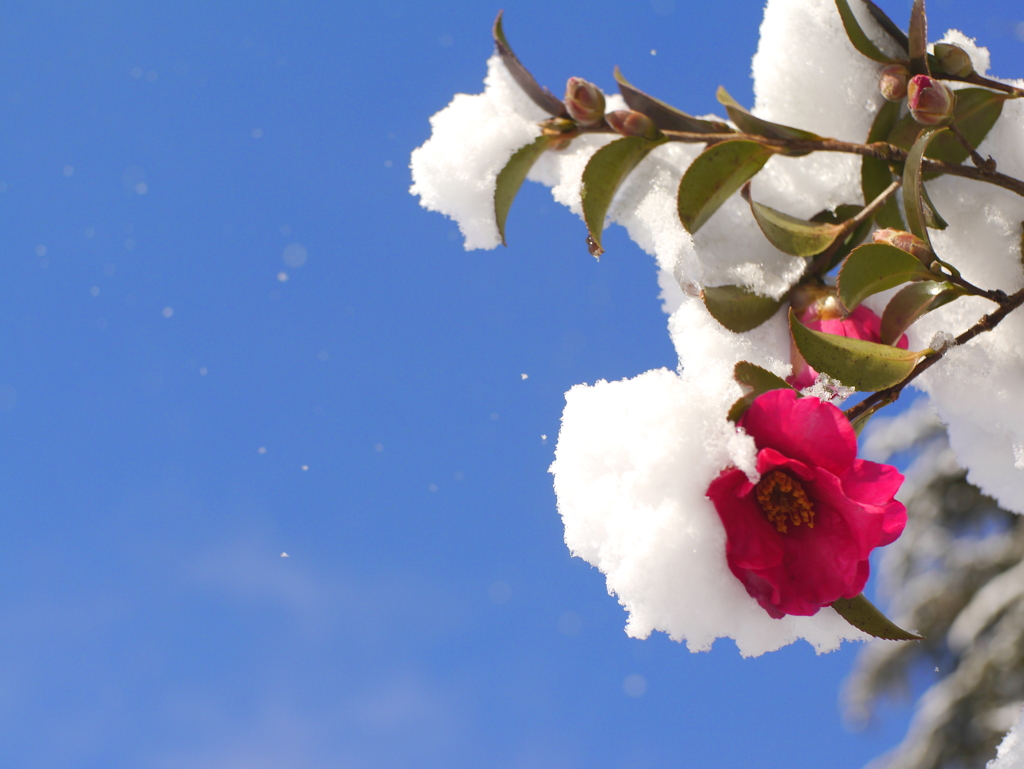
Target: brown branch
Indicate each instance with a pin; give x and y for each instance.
(987, 323)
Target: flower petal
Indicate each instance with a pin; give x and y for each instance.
(806, 429)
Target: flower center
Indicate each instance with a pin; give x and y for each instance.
(784, 501)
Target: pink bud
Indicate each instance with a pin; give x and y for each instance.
(893, 82)
(930, 101)
(630, 123)
(584, 101)
(905, 241)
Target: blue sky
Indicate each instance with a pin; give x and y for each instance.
(228, 332)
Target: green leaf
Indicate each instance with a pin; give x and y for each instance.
(542, 97)
(864, 615)
(755, 125)
(843, 213)
(912, 184)
(665, 116)
(714, 175)
(932, 218)
(859, 422)
(737, 308)
(918, 40)
(796, 237)
(876, 267)
(890, 27)
(975, 112)
(511, 177)
(865, 366)
(755, 381)
(911, 303)
(605, 172)
(875, 174)
(857, 36)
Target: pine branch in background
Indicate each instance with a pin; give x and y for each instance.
(955, 575)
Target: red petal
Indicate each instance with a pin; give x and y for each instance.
(816, 433)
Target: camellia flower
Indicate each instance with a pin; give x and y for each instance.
(826, 315)
(800, 537)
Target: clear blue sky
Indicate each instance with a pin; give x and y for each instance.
(180, 403)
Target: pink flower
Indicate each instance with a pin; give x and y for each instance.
(800, 538)
(826, 316)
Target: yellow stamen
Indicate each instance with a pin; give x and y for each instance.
(784, 501)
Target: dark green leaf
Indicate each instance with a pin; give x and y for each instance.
(857, 36)
(913, 301)
(932, 218)
(912, 184)
(918, 37)
(605, 172)
(755, 381)
(737, 308)
(796, 237)
(890, 27)
(864, 615)
(511, 178)
(542, 97)
(975, 112)
(865, 366)
(666, 117)
(755, 125)
(842, 213)
(876, 267)
(714, 175)
(875, 174)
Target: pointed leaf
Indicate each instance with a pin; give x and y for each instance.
(875, 174)
(918, 37)
(542, 97)
(605, 172)
(865, 366)
(864, 615)
(911, 303)
(665, 116)
(717, 173)
(754, 125)
(912, 184)
(857, 35)
(890, 27)
(737, 308)
(876, 267)
(796, 237)
(755, 381)
(932, 218)
(511, 177)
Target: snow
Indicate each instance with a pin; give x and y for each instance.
(635, 457)
(1010, 754)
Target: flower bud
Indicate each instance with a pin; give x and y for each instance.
(893, 82)
(630, 123)
(954, 60)
(584, 101)
(930, 101)
(905, 241)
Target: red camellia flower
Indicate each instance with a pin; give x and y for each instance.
(827, 316)
(800, 538)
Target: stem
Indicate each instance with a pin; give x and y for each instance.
(987, 323)
(880, 150)
(824, 259)
(986, 166)
(977, 79)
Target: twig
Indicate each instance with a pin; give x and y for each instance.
(987, 323)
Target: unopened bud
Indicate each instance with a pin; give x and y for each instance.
(930, 101)
(630, 123)
(893, 82)
(584, 101)
(905, 241)
(954, 60)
